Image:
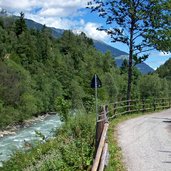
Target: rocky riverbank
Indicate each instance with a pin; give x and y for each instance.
(12, 129)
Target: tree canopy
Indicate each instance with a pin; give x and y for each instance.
(141, 25)
(40, 73)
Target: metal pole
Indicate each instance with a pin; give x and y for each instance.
(96, 98)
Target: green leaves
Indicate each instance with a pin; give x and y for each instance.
(138, 60)
(151, 86)
(62, 107)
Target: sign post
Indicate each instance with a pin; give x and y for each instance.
(96, 83)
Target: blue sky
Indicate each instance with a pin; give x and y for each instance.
(71, 14)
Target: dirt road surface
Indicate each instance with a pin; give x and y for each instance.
(146, 142)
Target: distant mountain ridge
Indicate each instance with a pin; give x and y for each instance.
(103, 47)
(117, 54)
(34, 25)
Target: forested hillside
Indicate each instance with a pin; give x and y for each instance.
(39, 73)
(164, 71)
(117, 54)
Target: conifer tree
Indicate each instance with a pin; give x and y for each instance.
(20, 25)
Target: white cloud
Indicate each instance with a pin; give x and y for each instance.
(53, 12)
(91, 30)
(10, 5)
(57, 22)
(60, 14)
(157, 58)
(60, 8)
(77, 25)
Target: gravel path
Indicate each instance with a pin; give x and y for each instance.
(146, 142)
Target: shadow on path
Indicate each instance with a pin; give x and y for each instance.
(167, 121)
(165, 151)
(169, 162)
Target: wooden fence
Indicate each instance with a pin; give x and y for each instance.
(139, 105)
(116, 109)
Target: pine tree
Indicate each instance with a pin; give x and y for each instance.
(138, 24)
(20, 25)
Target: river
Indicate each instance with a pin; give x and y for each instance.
(9, 144)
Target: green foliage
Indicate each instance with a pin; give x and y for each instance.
(37, 70)
(111, 87)
(28, 103)
(40, 135)
(20, 25)
(164, 71)
(1, 106)
(62, 106)
(140, 59)
(40, 73)
(152, 86)
(77, 93)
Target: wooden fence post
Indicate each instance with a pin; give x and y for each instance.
(103, 158)
(114, 110)
(101, 134)
(138, 106)
(102, 118)
(163, 103)
(128, 105)
(100, 148)
(154, 104)
(143, 105)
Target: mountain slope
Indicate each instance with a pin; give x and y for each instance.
(144, 68)
(117, 54)
(103, 47)
(34, 25)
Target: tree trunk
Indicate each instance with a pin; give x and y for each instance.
(129, 80)
(130, 66)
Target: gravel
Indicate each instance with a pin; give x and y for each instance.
(146, 142)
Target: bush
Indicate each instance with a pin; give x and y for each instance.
(62, 106)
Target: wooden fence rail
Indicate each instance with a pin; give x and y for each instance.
(101, 140)
(139, 105)
(120, 108)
